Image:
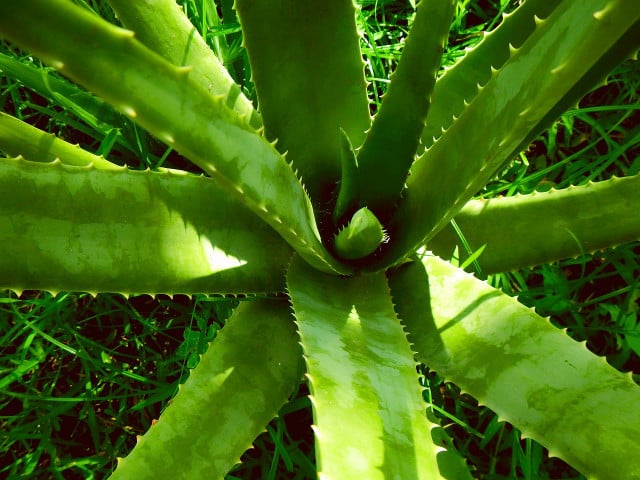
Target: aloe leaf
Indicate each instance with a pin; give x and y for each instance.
(391, 144)
(460, 83)
(238, 386)
(83, 229)
(162, 26)
(348, 194)
(361, 237)
(409, 292)
(531, 373)
(163, 99)
(20, 138)
(309, 76)
(528, 230)
(245, 228)
(539, 73)
(626, 47)
(353, 342)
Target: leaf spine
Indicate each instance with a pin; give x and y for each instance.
(126, 33)
(167, 138)
(57, 64)
(184, 69)
(129, 111)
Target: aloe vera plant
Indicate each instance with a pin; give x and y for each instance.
(332, 215)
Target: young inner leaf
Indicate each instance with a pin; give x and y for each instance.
(349, 193)
(361, 236)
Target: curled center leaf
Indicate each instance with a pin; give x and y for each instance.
(361, 237)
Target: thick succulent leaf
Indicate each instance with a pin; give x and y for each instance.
(348, 195)
(564, 47)
(361, 237)
(527, 230)
(84, 229)
(460, 83)
(626, 47)
(19, 138)
(162, 26)
(353, 343)
(238, 386)
(531, 373)
(166, 101)
(391, 144)
(310, 83)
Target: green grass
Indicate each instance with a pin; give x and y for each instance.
(81, 376)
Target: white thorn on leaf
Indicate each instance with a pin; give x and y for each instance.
(129, 111)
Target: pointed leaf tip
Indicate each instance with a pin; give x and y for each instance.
(361, 236)
(349, 194)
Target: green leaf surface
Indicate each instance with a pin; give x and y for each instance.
(19, 138)
(162, 26)
(309, 75)
(239, 385)
(626, 47)
(353, 342)
(348, 194)
(527, 230)
(79, 228)
(166, 101)
(531, 373)
(563, 48)
(390, 147)
(361, 237)
(460, 83)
